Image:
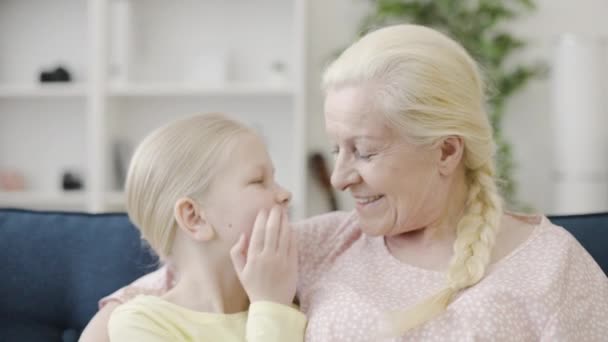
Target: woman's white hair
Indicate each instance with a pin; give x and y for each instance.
(429, 87)
(180, 159)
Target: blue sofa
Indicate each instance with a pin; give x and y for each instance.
(57, 265)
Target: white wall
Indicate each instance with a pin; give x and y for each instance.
(333, 24)
(529, 116)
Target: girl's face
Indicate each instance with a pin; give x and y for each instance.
(244, 185)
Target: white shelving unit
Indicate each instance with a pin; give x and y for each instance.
(135, 65)
(33, 91)
(40, 200)
(177, 89)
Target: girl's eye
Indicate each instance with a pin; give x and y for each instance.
(257, 181)
(335, 150)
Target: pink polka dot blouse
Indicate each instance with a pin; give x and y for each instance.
(548, 289)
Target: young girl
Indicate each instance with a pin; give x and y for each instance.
(202, 193)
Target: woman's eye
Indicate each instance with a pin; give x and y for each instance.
(257, 181)
(364, 156)
(335, 150)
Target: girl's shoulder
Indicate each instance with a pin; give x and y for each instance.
(155, 283)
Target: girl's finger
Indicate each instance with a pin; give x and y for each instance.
(237, 254)
(285, 238)
(273, 229)
(292, 254)
(256, 243)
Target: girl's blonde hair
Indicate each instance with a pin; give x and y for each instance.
(429, 87)
(180, 159)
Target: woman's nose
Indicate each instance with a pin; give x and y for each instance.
(343, 175)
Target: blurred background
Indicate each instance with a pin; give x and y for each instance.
(81, 82)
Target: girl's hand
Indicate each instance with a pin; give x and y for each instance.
(268, 268)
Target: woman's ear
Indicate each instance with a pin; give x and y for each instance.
(191, 220)
(452, 150)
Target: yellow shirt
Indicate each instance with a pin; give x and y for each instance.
(150, 318)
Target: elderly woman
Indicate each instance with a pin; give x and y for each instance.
(428, 253)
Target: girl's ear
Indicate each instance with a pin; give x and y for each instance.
(191, 220)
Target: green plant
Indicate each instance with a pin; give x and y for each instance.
(479, 25)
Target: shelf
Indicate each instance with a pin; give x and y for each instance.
(59, 90)
(51, 200)
(147, 90)
(135, 66)
(185, 89)
(115, 199)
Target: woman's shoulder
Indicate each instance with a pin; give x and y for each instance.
(536, 245)
(326, 229)
(569, 247)
(321, 240)
(538, 229)
(551, 275)
(330, 219)
(518, 230)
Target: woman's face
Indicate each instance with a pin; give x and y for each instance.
(393, 182)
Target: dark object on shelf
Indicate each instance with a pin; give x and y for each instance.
(59, 74)
(321, 173)
(71, 181)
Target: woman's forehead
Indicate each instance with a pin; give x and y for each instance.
(354, 108)
(352, 99)
(364, 126)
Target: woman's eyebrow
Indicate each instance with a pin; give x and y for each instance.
(366, 137)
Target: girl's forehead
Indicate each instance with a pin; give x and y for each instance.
(249, 149)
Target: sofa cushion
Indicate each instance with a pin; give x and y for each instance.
(56, 266)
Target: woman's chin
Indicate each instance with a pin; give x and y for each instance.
(372, 227)
(372, 217)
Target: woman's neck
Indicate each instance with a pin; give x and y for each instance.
(431, 246)
(208, 286)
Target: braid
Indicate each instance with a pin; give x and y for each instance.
(476, 235)
(476, 231)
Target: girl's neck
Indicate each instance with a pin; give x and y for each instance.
(208, 287)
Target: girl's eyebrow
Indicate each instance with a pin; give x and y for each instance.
(258, 169)
(261, 168)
